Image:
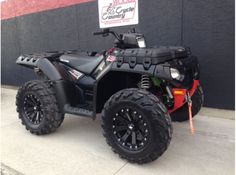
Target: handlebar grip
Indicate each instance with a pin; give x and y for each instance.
(98, 33)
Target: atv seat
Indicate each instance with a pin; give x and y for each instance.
(83, 63)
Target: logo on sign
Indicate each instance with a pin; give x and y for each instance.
(118, 12)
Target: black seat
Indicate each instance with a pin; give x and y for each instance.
(83, 63)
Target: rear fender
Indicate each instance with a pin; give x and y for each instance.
(42, 63)
(51, 72)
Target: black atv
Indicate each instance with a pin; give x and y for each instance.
(136, 89)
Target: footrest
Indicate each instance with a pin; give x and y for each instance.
(78, 111)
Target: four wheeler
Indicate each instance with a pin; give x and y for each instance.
(136, 89)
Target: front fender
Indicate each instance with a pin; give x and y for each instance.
(161, 70)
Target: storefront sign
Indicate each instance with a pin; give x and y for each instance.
(113, 13)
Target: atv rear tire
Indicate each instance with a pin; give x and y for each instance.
(197, 102)
(136, 125)
(37, 107)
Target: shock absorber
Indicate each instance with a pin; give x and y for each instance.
(145, 82)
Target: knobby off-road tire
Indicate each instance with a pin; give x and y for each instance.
(197, 102)
(139, 111)
(37, 107)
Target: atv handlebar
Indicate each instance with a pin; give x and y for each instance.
(106, 32)
(98, 33)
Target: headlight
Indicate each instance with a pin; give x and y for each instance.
(175, 74)
(141, 42)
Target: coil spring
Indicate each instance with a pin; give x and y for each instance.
(145, 82)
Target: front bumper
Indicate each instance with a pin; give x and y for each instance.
(180, 95)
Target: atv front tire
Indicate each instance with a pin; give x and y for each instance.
(37, 107)
(136, 125)
(197, 102)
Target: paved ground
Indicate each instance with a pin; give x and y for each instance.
(78, 147)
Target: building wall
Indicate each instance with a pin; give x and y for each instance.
(205, 26)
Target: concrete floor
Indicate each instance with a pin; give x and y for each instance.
(78, 147)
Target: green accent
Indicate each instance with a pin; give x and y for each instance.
(156, 81)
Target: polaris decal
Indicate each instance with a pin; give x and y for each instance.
(111, 58)
(117, 13)
(75, 73)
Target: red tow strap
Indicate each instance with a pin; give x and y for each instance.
(189, 101)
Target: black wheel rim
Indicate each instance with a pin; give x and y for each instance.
(130, 129)
(33, 109)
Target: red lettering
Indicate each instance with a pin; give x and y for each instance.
(117, 2)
